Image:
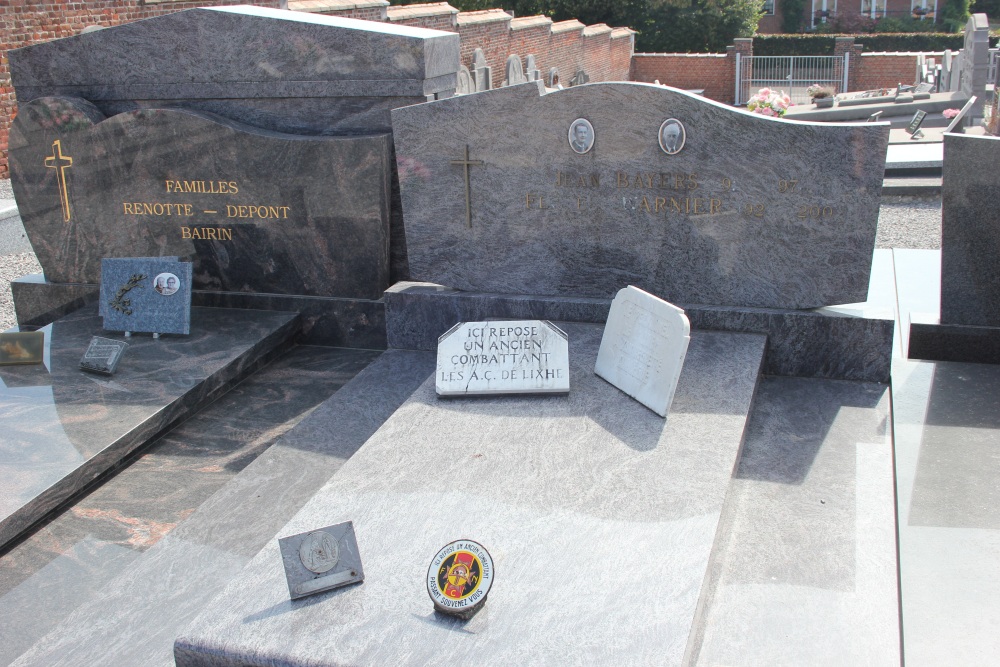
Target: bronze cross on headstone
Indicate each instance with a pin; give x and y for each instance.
(468, 191)
(60, 163)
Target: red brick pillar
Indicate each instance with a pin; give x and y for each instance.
(844, 46)
(744, 47)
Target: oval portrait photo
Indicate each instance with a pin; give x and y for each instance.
(672, 136)
(581, 135)
(166, 284)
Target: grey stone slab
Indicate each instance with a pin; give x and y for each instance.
(946, 439)
(255, 211)
(233, 53)
(136, 617)
(970, 231)
(914, 156)
(582, 476)
(532, 215)
(846, 344)
(805, 565)
(63, 427)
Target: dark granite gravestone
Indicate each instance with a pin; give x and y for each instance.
(272, 69)
(970, 231)
(968, 328)
(290, 108)
(255, 211)
(683, 197)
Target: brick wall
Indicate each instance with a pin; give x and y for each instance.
(713, 72)
(605, 53)
(885, 70)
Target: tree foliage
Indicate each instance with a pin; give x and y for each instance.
(682, 26)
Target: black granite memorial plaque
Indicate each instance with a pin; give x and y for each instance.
(102, 355)
(254, 211)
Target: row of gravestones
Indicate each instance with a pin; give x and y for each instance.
(479, 77)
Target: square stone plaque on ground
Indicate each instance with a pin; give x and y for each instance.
(503, 357)
(643, 348)
(103, 355)
(321, 559)
(146, 294)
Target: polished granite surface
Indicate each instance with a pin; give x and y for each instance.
(572, 495)
(806, 557)
(806, 575)
(64, 427)
(79, 558)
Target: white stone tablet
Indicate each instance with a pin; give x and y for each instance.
(643, 348)
(503, 357)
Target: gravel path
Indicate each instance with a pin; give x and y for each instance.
(904, 222)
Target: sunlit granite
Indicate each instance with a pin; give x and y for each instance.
(852, 342)
(947, 432)
(806, 558)
(600, 517)
(82, 553)
(63, 427)
(136, 615)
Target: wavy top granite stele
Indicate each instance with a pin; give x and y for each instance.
(273, 69)
(752, 211)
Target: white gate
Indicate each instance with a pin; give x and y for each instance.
(792, 74)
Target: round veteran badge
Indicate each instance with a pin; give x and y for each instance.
(459, 578)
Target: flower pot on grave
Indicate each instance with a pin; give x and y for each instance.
(823, 102)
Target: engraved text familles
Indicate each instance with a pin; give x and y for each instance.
(227, 213)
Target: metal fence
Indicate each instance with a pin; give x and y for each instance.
(792, 74)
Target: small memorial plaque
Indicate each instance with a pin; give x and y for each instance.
(147, 294)
(24, 347)
(459, 578)
(503, 357)
(103, 355)
(914, 127)
(643, 348)
(321, 560)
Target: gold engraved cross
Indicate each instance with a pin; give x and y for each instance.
(60, 163)
(468, 190)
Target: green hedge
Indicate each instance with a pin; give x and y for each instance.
(822, 45)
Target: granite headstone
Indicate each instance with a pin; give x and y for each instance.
(482, 73)
(970, 231)
(766, 225)
(255, 211)
(975, 61)
(643, 348)
(514, 71)
(286, 71)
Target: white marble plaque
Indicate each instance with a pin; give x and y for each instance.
(642, 351)
(503, 357)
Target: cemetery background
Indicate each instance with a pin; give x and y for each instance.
(135, 519)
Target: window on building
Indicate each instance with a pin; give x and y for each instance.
(923, 9)
(769, 7)
(823, 11)
(873, 8)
